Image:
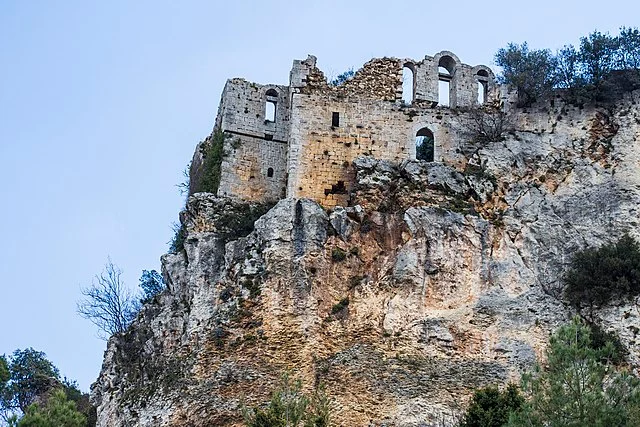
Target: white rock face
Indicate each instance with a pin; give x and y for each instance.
(449, 281)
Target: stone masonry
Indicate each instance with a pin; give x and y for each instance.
(300, 140)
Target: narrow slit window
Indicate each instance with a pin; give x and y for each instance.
(335, 119)
(270, 173)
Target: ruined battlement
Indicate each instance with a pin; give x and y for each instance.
(300, 140)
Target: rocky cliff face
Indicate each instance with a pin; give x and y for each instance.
(432, 282)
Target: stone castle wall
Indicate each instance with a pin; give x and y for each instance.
(254, 165)
(302, 153)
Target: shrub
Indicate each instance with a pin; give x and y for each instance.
(338, 255)
(290, 407)
(489, 124)
(597, 276)
(341, 305)
(530, 71)
(347, 75)
(212, 153)
(491, 407)
(179, 236)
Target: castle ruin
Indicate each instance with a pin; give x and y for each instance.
(300, 140)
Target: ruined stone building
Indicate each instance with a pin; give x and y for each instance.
(300, 140)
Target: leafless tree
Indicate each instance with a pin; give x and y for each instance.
(489, 123)
(108, 303)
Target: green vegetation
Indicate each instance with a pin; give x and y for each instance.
(343, 77)
(530, 71)
(57, 412)
(491, 407)
(578, 386)
(151, 283)
(212, 153)
(341, 305)
(338, 255)
(33, 395)
(583, 70)
(290, 407)
(598, 276)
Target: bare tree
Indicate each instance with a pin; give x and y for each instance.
(108, 303)
(489, 123)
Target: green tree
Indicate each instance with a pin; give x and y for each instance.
(491, 407)
(577, 386)
(629, 49)
(597, 276)
(152, 284)
(567, 73)
(531, 72)
(597, 55)
(57, 412)
(31, 375)
(290, 407)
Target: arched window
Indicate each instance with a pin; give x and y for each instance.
(270, 173)
(408, 84)
(270, 106)
(446, 67)
(425, 145)
(482, 77)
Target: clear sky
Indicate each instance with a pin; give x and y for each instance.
(103, 102)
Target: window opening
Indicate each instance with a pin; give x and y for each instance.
(270, 173)
(446, 67)
(335, 119)
(425, 145)
(408, 85)
(270, 112)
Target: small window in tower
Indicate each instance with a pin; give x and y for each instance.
(270, 173)
(270, 112)
(335, 119)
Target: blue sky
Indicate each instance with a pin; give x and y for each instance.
(102, 104)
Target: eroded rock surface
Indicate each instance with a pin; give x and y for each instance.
(453, 281)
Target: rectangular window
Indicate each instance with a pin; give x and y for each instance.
(335, 119)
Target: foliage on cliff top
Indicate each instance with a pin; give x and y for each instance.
(599, 276)
(212, 152)
(585, 71)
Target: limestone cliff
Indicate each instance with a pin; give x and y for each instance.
(449, 280)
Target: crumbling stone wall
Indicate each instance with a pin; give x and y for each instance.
(254, 165)
(303, 153)
(321, 155)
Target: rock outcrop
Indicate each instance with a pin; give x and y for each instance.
(449, 280)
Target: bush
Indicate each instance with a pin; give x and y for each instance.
(530, 71)
(341, 305)
(212, 153)
(491, 407)
(489, 124)
(290, 407)
(338, 255)
(346, 76)
(598, 276)
(179, 236)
